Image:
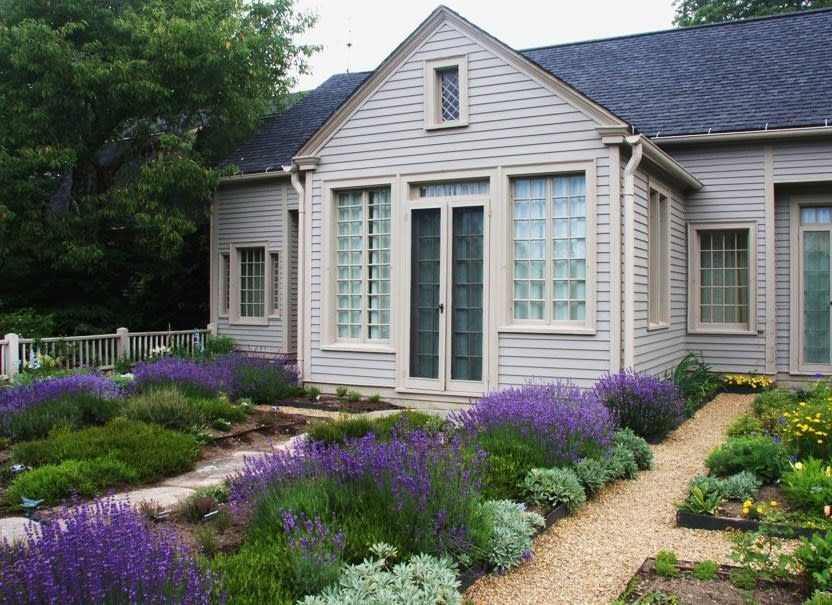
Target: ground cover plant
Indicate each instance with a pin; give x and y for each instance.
(695, 380)
(103, 552)
(169, 406)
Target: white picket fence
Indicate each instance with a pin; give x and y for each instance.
(99, 351)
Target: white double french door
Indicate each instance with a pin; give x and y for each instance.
(446, 262)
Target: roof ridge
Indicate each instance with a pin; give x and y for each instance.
(737, 22)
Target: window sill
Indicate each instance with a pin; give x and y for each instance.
(725, 331)
(359, 347)
(566, 330)
(444, 125)
(652, 327)
(254, 321)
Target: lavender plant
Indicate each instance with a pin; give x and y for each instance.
(316, 552)
(102, 553)
(30, 410)
(643, 403)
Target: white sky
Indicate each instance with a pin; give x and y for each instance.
(376, 28)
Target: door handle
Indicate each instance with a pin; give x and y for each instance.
(441, 307)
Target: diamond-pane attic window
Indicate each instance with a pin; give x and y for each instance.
(446, 93)
(449, 93)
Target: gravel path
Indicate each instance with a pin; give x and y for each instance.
(588, 558)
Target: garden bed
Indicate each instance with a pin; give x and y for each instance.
(718, 523)
(647, 586)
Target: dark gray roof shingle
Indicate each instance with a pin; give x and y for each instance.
(280, 136)
(773, 72)
(726, 77)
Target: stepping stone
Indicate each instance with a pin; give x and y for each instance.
(164, 497)
(13, 529)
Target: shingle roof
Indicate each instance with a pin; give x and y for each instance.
(280, 137)
(773, 72)
(732, 76)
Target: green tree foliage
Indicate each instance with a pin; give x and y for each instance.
(112, 117)
(699, 12)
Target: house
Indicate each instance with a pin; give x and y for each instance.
(468, 216)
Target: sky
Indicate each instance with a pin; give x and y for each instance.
(375, 28)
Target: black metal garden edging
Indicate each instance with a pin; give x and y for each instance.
(685, 518)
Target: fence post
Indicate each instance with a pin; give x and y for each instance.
(123, 343)
(13, 356)
(212, 329)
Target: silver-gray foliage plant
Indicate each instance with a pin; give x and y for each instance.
(554, 486)
(422, 580)
(513, 531)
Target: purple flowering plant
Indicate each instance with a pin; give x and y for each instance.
(649, 406)
(418, 490)
(98, 553)
(316, 552)
(29, 410)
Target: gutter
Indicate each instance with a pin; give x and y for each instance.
(294, 175)
(629, 324)
(269, 174)
(747, 135)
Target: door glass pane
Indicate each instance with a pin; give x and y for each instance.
(424, 293)
(466, 312)
(816, 297)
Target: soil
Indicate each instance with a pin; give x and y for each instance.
(720, 591)
(767, 493)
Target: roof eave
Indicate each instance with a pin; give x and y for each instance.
(746, 135)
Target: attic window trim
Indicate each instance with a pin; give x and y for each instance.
(433, 92)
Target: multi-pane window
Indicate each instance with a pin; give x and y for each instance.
(658, 237)
(252, 274)
(276, 282)
(449, 94)
(724, 287)
(362, 300)
(550, 249)
(225, 284)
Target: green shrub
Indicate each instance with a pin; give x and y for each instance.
(422, 580)
(341, 391)
(621, 463)
(770, 405)
(593, 474)
(312, 392)
(554, 486)
(151, 451)
(819, 597)
(168, 406)
(55, 482)
(194, 508)
(509, 459)
(808, 485)
(642, 453)
(353, 396)
(512, 532)
(374, 398)
(746, 424)
(806, 427)
(757, 454)
(666, 564)
(706, 570)
(358, 426)
(216, 346)
(815, 555)
(702, 499)
(71, 411)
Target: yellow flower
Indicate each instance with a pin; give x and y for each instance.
(760, 510)
(747, 503)
(798, 466)
(773, 503)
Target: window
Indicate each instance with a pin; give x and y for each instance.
(362, 265)
(551, 251)
(276, 282)
(225, 284)
(252, 263)
(658, 249)
(723, 281)
(446, 93)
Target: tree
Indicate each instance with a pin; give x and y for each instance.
(699, 12)
(113, 115)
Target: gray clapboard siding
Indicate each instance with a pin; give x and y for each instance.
(513, 120)
(783, 268)
(803, 162)
(733, 178)
(252, 213)
(657, 351)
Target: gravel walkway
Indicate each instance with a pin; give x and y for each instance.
(588, 558)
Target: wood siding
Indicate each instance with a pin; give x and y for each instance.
(660, 349)
(513, 120)
(252, 213)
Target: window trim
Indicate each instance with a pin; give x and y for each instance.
(432, 102)
(234, 316)
(589, 325)
(275, 284)
(659, 311)
(694, 325)
(329, 337)
(224, 281)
